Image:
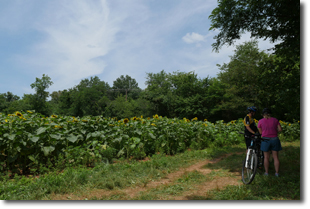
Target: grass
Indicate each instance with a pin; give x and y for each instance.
(286, 187)
(76, 182)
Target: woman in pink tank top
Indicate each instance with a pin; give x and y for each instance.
(269, 127)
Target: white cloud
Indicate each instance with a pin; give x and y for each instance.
(78, 36)
(193, 38)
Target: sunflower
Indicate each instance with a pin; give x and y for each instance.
(54, 116)
(29, 111)
(126, 120)
(153, 124)
(205, 119)
(18, 114)
(155, 116)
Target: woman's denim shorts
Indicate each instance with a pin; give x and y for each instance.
(273, 144)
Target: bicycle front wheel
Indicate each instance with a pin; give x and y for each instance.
(249, 171)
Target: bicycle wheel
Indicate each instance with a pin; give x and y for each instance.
(248, 173)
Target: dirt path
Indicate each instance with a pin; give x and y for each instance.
(200, 190)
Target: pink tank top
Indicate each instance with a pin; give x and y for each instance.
(269, 127)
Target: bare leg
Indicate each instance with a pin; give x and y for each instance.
(275, 155)
(266, 161)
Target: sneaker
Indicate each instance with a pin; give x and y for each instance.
(265, 174)
(276, 174)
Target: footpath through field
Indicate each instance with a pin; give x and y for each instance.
(217, 181)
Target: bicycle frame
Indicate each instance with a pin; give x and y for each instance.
(254, 159)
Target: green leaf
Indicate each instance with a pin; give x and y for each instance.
(32, 158)
(152, 136)
(12, 136)
(48, 150)
(34, 138)
(136, 140)
(55, 136)
(121, 152)
(41, 130)
(19, 133)
(96, 134)
(138, 132)
(119, 139)
(72, 138)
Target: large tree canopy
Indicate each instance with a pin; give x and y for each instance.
(277, 20)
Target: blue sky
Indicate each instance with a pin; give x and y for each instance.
(72, 40)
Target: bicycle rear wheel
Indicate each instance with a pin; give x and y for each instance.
(248, 173)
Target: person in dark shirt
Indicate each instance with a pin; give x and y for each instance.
(249, 125)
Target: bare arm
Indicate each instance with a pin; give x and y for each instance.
(279, 128)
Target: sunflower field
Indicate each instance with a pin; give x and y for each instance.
(32, 143)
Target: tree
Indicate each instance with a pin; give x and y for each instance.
(121, 108)
(85, 97)
(278, 20)
(127, 86)
(280, 87)
(241, 78)
(7, 99)
(41, 95)
(158, 92)
(178, 94)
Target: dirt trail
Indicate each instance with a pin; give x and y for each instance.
(200, 190)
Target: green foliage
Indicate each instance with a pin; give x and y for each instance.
(178, 94)
(127, 86)
(277, 20)
(30, 143)
(241, 79)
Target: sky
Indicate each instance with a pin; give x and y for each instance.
(71, 40)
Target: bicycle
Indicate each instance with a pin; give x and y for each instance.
(254, 159)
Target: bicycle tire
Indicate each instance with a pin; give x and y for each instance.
(248, 174)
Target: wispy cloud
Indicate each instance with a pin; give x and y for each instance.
(77, 36)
